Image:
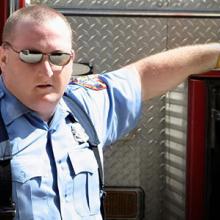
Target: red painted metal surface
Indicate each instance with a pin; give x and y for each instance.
(4, 10)
(21, 3)
(196, 145)
(195, 175)
(215, 73)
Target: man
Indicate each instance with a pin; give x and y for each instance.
(54, 172)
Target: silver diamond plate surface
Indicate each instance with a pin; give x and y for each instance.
(136, 160)
(109, 42)
(105, 4)
(204, 5)
(191, 31)
(134, 4)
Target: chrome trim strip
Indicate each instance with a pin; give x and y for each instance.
(13, 6)
(140, 13)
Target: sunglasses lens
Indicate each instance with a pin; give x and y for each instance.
(28, 56)
(59, 59)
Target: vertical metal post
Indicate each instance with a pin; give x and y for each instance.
(195, 174)
(4, 4)
(12, 6)
(6, 8)
(15, 4)
(22, 3)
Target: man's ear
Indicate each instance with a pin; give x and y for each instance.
(73, 55)
(3, 58)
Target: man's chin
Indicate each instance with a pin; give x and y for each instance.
(50, 98)
(46, 102)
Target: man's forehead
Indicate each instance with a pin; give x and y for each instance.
(29, 21)
(28, 32)
(53, 27)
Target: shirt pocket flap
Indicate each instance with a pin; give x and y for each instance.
(24, 171)
(83, 160)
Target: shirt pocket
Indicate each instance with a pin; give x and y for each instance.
(27, 175)
(86, 193)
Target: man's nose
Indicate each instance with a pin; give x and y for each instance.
(46, 67)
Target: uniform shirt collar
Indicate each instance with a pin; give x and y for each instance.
(63, 106)
(11, 107)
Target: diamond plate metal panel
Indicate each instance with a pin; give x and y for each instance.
(111, 42)
(136, 160)
(191, 31)
(200, 5)
(104, 4)
(204, 5)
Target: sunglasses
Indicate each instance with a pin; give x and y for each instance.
(34, 56)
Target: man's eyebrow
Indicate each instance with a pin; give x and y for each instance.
(59, 51)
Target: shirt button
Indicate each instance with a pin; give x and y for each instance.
(1, 94)
(22, 174)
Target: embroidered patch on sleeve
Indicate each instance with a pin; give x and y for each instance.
(91, 81)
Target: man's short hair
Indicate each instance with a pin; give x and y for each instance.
(38, 13)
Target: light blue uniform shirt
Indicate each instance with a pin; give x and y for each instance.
(54, 173)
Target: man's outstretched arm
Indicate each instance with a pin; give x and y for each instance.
(164, 71)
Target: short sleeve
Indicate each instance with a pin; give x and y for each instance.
(114, 110)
